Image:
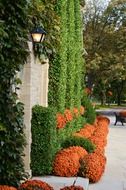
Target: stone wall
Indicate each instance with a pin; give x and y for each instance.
(34, 90)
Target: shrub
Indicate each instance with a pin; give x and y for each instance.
(44, 140)
(66, 163)
(34, 184)
(81, 152)
(6, 187)
(86, 131)
(72, 187)
(79, 141)
(90, 114)
(92, 166)
(61, 121)
(98, 141)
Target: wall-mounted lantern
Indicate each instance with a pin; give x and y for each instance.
(38, 35)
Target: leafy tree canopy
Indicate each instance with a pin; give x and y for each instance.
(105, 42)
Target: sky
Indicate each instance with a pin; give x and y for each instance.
(102, 2)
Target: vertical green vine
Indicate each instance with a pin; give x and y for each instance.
(78, 57)
(63, 57)
(13, 54)
(70, 54)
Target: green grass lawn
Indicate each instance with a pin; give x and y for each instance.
(98, 106)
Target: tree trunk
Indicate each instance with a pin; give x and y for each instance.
(119, 93)
(103, 97)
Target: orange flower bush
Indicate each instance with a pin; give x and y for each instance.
(81, 152)
(61, 122)
(68, 115)
(101, 132)
(72, 187)
(86, 131)
(98, 141)
(75, 112)
(99, 150)
(66, 164)
(92, 166)
(6, 187)
(103, 119)
(34, 184)
(82, 110)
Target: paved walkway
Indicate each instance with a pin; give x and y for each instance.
(114, 177)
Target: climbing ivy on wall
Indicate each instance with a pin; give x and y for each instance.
(70, 54)
(79, 61)
(70, 86)
(62, 57)
(13, 54)
(66, 71)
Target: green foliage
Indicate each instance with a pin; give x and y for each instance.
(79, 63)
(54, 72)
(79, 141)
(105, 39)
(44, 14)
(44, 140)
(69, 129)
(66, 71)
(70, 54)
(62, 57)
(90, 113)
(13, 54)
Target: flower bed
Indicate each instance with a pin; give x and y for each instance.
(35, 185)
(68, 115)
(72, 187)
(6, 187)
(66, 162)
(86, 131)
(91, 165)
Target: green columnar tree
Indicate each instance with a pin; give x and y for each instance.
(70, 54)
(13, 54)
(78, 55)
(62, 56)
(65, 79)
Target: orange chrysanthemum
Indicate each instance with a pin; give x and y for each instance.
(86, 131)
(82, 110)
(75, 112)
(34, 184)
(72, 187)
(61, 122)
(68, 115)
(92, 166)
(66, 164)
(6, 187)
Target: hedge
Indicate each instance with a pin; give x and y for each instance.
(44, 140)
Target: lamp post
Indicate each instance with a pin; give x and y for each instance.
(38, 35)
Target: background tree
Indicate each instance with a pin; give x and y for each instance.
(105, 39)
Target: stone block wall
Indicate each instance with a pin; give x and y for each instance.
(33, 90)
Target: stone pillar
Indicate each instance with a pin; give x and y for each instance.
(34, 90)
